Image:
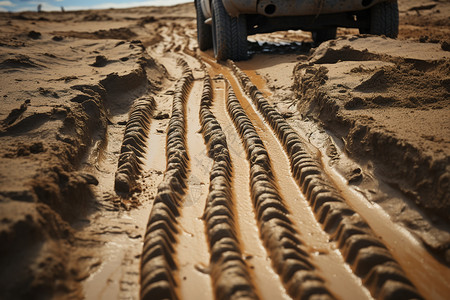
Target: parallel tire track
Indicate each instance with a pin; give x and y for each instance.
(229, 272)
(133, 145)
(361, 248)
(290, 260)
(157, 263)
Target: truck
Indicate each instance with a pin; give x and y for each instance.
(225, 24)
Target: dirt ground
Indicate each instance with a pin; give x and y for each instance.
(132, 165)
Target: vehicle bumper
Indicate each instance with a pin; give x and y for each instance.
(273, 8)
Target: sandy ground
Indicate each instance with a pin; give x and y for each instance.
(88, 99)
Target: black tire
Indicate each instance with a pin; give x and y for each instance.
(229, 34)
(322, 35)
(383, 19)
(204, 31)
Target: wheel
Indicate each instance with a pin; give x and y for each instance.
(229, 34)
(383, 19)
(204, 31)
(323, 35)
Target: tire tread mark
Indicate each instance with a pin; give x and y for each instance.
(133, 145)
(289, 258)
(157, 262)
(230, 275)
(362, 249)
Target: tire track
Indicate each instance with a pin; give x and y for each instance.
(229, 272)
(192, 248)
(157, 263)
(266, 281)
(134, 145)
(323, 253)
(289, 257)
(115, 230)
(193, 253)
(362, 250)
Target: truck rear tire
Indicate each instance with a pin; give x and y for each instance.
(204, 31)
(229, 34)
(383, 19)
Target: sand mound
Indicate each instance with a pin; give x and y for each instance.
(362, 89)
(50, 119)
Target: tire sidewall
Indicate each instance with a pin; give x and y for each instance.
(229, 34)
(218, 24)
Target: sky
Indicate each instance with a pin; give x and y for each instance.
(52, 5)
